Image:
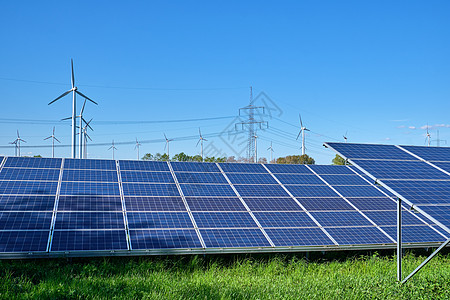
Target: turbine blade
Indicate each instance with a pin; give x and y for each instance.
(301, 123)
(205, 140)
(82, 109)
(299, 134)
(66, 119)
(56, 140)
(81, 94)
(73, 75)
(48, 138)
(165, 146)
(60, 97)
(165, 136)
(198, 142)
(199, 132)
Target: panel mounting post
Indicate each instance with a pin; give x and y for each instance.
(399, 240)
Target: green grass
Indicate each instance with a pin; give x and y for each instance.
(224, 277)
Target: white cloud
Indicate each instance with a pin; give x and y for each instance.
(387, 139)
(401, 126)
(412, 127)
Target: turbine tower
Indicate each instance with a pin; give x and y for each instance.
(167, 146)
(137, 147)
(80, 127)
(74, 91)
(86, 137)
(113, 148)
(16, 142)
(200, 140)
(271, 152)
(53, 141)
(302, 132)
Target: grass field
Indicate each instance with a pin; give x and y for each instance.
(329, 276)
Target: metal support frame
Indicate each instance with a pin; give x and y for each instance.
(399, 239)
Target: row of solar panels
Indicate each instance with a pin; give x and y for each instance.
(419, 175)
(187, 206)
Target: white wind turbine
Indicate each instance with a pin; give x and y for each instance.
(200, 140)
(271, 152)
(74, 91)
(428, 137)
(16, 142)
(53, 137)
(113, 148)
(137, 147)
(167, 146)
(86, 137)
(302, 132)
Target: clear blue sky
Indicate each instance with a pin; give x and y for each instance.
(377, 69)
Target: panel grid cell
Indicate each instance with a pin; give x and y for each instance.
(161, 220)
(233, 238)
(242, 168)
(215, 204)
(23, 241)
(358, 236)
(89, 220)
(89, 175)
(337, 219)
(28, 187)
(194, 167)
(211, 190)
(193, 177)
(224, 220)
(299, 179)
(141, 189)
(164, 239)
(370, 151)
(292, 169)
(93, 164)
(243, 178)
(140, 165)
(260, 190)
(325, 204)
(33, 162)
(25, 220)
(284, 219)
(272, 204)
(29, 174)
(26, 203)
(89, 203)
(88, 240)
(311, 191)
(89, 188)
(141, 203)
(289, 237)
(147, 177)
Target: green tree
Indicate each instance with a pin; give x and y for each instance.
(148, 156)
(304, 159)
(338, 160)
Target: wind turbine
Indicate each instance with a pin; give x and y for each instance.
(16, 142)
(137, 147)
(302, 132)
(201, 139)
(428, 137)
(167, 146)
(113, 148)
(74, 91)
(86, 137)
(53, 141)
(271, 152)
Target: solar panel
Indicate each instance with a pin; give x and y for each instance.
(390, 218)
(298, 237)
(28, 187)
(304, 179)
(89, 240)
(205, 190)
(194, 167)
(233, 238)
(422, 192)
(242, 168)
(142, 176)
(164, 239)
(443, 165)
(25, 220)
(247, 190)
(29, 174)
(381, 203)
(31, 162)
(341, 218)
(358, 191)
(191, 177)
(344, 180)
(292, 169)
(215, 204)
(284, 219)
(415, 234)
(430, 153)
(147, 220)
(89, 188)
(140, 165)
(358, 235)
(149, 189)
(324, 170)
(223, 219)
(440, 212)
(333, 204)
(94, 164)
(23, 241)
(154, 204)
(89, 220)
(311, 191)
(366, 151)
(272, 204)
(89, 203)
(89, 175)
(26, 203)
(243, 178)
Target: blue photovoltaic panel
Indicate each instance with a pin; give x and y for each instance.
(223, 219)
(272, 204)
(89, 188)
(23, 241)
(261, 190)
(164, 239)
(243, 178)
(358, 236)
(389, 169)
(154, 204)
(284, 219)
(415, 234)
(367, 151)
(311, 191)
(147, 220)
(430, 153)
(191, 177)
(358, 191)
(150, 189)
(298, 237)
(194, 167)
(214, 190)
(89, 175)
(345, 180)
(28, 187)
(232, 238)
(89, 220)
(29, 174)
(299, 179)
(28, 203)
(215, 204)
(242, 168)
(143, 176)
(341, 218)
(89, 203)
(382, 203)
(390, 218)
(93, 164)
(422, 192)
(312, 204)
(140, 165)
(88, 240)
(293, 169)
(32, 162)
(440, 213)
(443, 165)
(331, 170)
(25, 220)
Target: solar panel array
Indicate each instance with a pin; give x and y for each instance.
(419, 175)
(106, 207)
